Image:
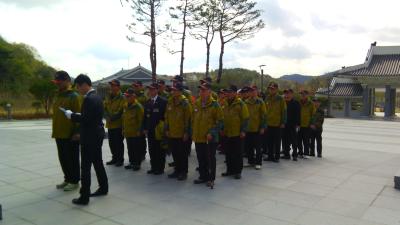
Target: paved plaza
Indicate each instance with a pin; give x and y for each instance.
(351, 185)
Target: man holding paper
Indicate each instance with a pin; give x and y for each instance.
(91, 139)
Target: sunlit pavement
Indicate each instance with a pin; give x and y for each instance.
(351, 184)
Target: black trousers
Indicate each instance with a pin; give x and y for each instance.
(316, 136)
(91, 153)
(116, 143)
(234, 155)
(274, 142)
(68, 155)
(178, 148)
(136, 149)
(304, 141)
(289, 139)
(253, 148)
(264, 143)
(157, 155)
(188, 146)
(206, 159)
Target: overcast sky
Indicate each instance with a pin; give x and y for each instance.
(308, 37)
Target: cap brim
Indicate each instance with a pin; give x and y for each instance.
(56, 81)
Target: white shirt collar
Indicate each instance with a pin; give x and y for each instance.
(91, 90)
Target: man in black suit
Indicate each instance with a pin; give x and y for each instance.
(292, 126)
(91, 139)
(154, 110)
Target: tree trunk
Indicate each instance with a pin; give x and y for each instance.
(153, 51)
(183, 39)
(208, 59)
(221, 56)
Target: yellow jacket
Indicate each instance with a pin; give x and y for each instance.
(141, 97)
(132, 118)
(236, 117)
(257, 112)
(206, 119)
(177, 117)
(276, 110)
(113, 109)
(307, 111)
(62, 127)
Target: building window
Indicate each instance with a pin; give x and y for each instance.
(338, 106)
(356, 106)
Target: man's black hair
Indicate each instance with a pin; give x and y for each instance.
(83, 79)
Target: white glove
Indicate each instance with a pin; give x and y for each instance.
(68, 113)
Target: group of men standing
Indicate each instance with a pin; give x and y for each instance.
(238, 122)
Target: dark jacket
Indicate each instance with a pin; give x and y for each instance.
(293, 113)
(154, 113)
(319, 119)
(90, 118)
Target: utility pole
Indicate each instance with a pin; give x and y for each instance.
(262, 76)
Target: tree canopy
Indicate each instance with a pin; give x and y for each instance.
(20, 64)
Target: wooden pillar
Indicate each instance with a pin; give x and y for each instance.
(388, 102)
(367, 101)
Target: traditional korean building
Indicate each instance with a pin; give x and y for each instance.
(352, 89)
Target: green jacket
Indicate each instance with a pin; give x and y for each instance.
(318, 119)
(236, 117)
(276, 110)
(257, 112)
(206, 119)
(63, 128)
(164, 94)
(307, 111)
(113, 109)
(141, 97)
(132, 118)
(177, 117)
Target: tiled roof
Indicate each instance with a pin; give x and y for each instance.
(343, 88)
(380, 61)
(138, 73)
(381, 65)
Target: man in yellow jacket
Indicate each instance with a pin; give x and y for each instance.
(276, 118)
(177, 129)
(307, 111)
(236, 116)
(207, 122)
(113, 109)
(256, 127)
(66, 132)
(132, 128)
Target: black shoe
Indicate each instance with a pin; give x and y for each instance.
(111, 162)
(285, 157)
(294, 159)
(226, 174)
(171, 164)
(128, 167)
(237, 176)
(267, 159)
(275, 160)
(199, 181)
(158, 172)
(136, 167)
(319, 156)
(182, 176)
(80, 201)
(313, 155)
(98, 193)
(119, 164)
(301, 156)
(173, 175)
(150, 171)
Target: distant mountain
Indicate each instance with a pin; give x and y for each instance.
(296, 78)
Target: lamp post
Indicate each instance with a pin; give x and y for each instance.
(262, 77)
